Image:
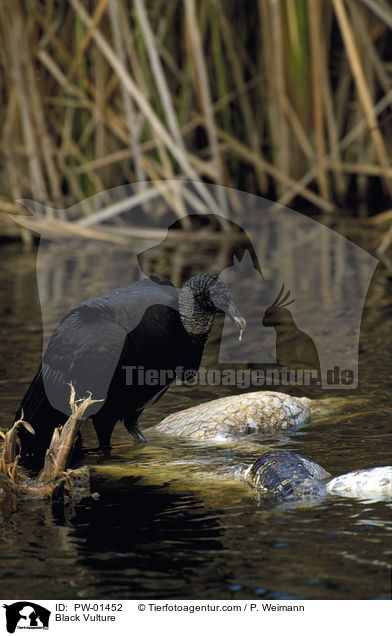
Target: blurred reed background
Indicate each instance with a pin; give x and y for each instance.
(289, 99)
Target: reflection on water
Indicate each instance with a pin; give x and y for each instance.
(173, 519)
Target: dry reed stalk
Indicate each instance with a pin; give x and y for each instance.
(144, 105)
(344, 143)
(342, 97)
(9, 208)
(95, 20)
(206, 168)
(170, 115)
(70, 149)
(55, 228)
(129, 43)
(382, 248)
(101, 162)
(241, 89)
(203, 167)
(278, 86)
(198, 62)
(362, 168)
(169, 194)
(66, 153)
(222, 81)
(364, 151)
(381, 10)
(133, 232)
(266, 45)
(129, 111)
(378, 219)
(253, 158)
(113, 120)
(253, 134)
(11, 163)
(12, 27)
(89, 131)
(158, 74)
(46, 143)
(298, 130)
(114, 209)
(99, 128)
(196, 204)
(340, 182)
(85, 116)
(363, 92)
(104, 92)
(371, 52)
(316, 66)
(176, 236)
(59, 76)
(102, 98)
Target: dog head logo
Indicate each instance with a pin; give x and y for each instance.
(26, 615)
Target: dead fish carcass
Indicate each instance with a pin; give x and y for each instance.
(283, 476)
(237, 415)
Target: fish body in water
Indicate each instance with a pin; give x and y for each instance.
(236, 415)
(372, 483)
(283, 476)
(280, 476)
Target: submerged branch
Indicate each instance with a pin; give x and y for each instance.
(54, 477)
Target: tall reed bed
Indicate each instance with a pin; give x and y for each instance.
(283, 98)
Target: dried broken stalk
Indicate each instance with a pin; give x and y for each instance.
(54, 474)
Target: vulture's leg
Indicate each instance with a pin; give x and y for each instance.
(104, 426)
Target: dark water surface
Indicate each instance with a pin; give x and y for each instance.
(172, 520)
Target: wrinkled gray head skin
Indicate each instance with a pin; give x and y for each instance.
(201, 298)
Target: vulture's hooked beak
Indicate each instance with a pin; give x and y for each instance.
(222, 301)
(236, 317)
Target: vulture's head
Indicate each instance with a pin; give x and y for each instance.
(201, 298)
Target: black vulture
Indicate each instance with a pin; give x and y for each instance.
(125, 348)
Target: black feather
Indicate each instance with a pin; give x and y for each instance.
(136, 326)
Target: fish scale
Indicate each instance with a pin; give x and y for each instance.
(237, 415)
(283, 475)
(276, 475)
